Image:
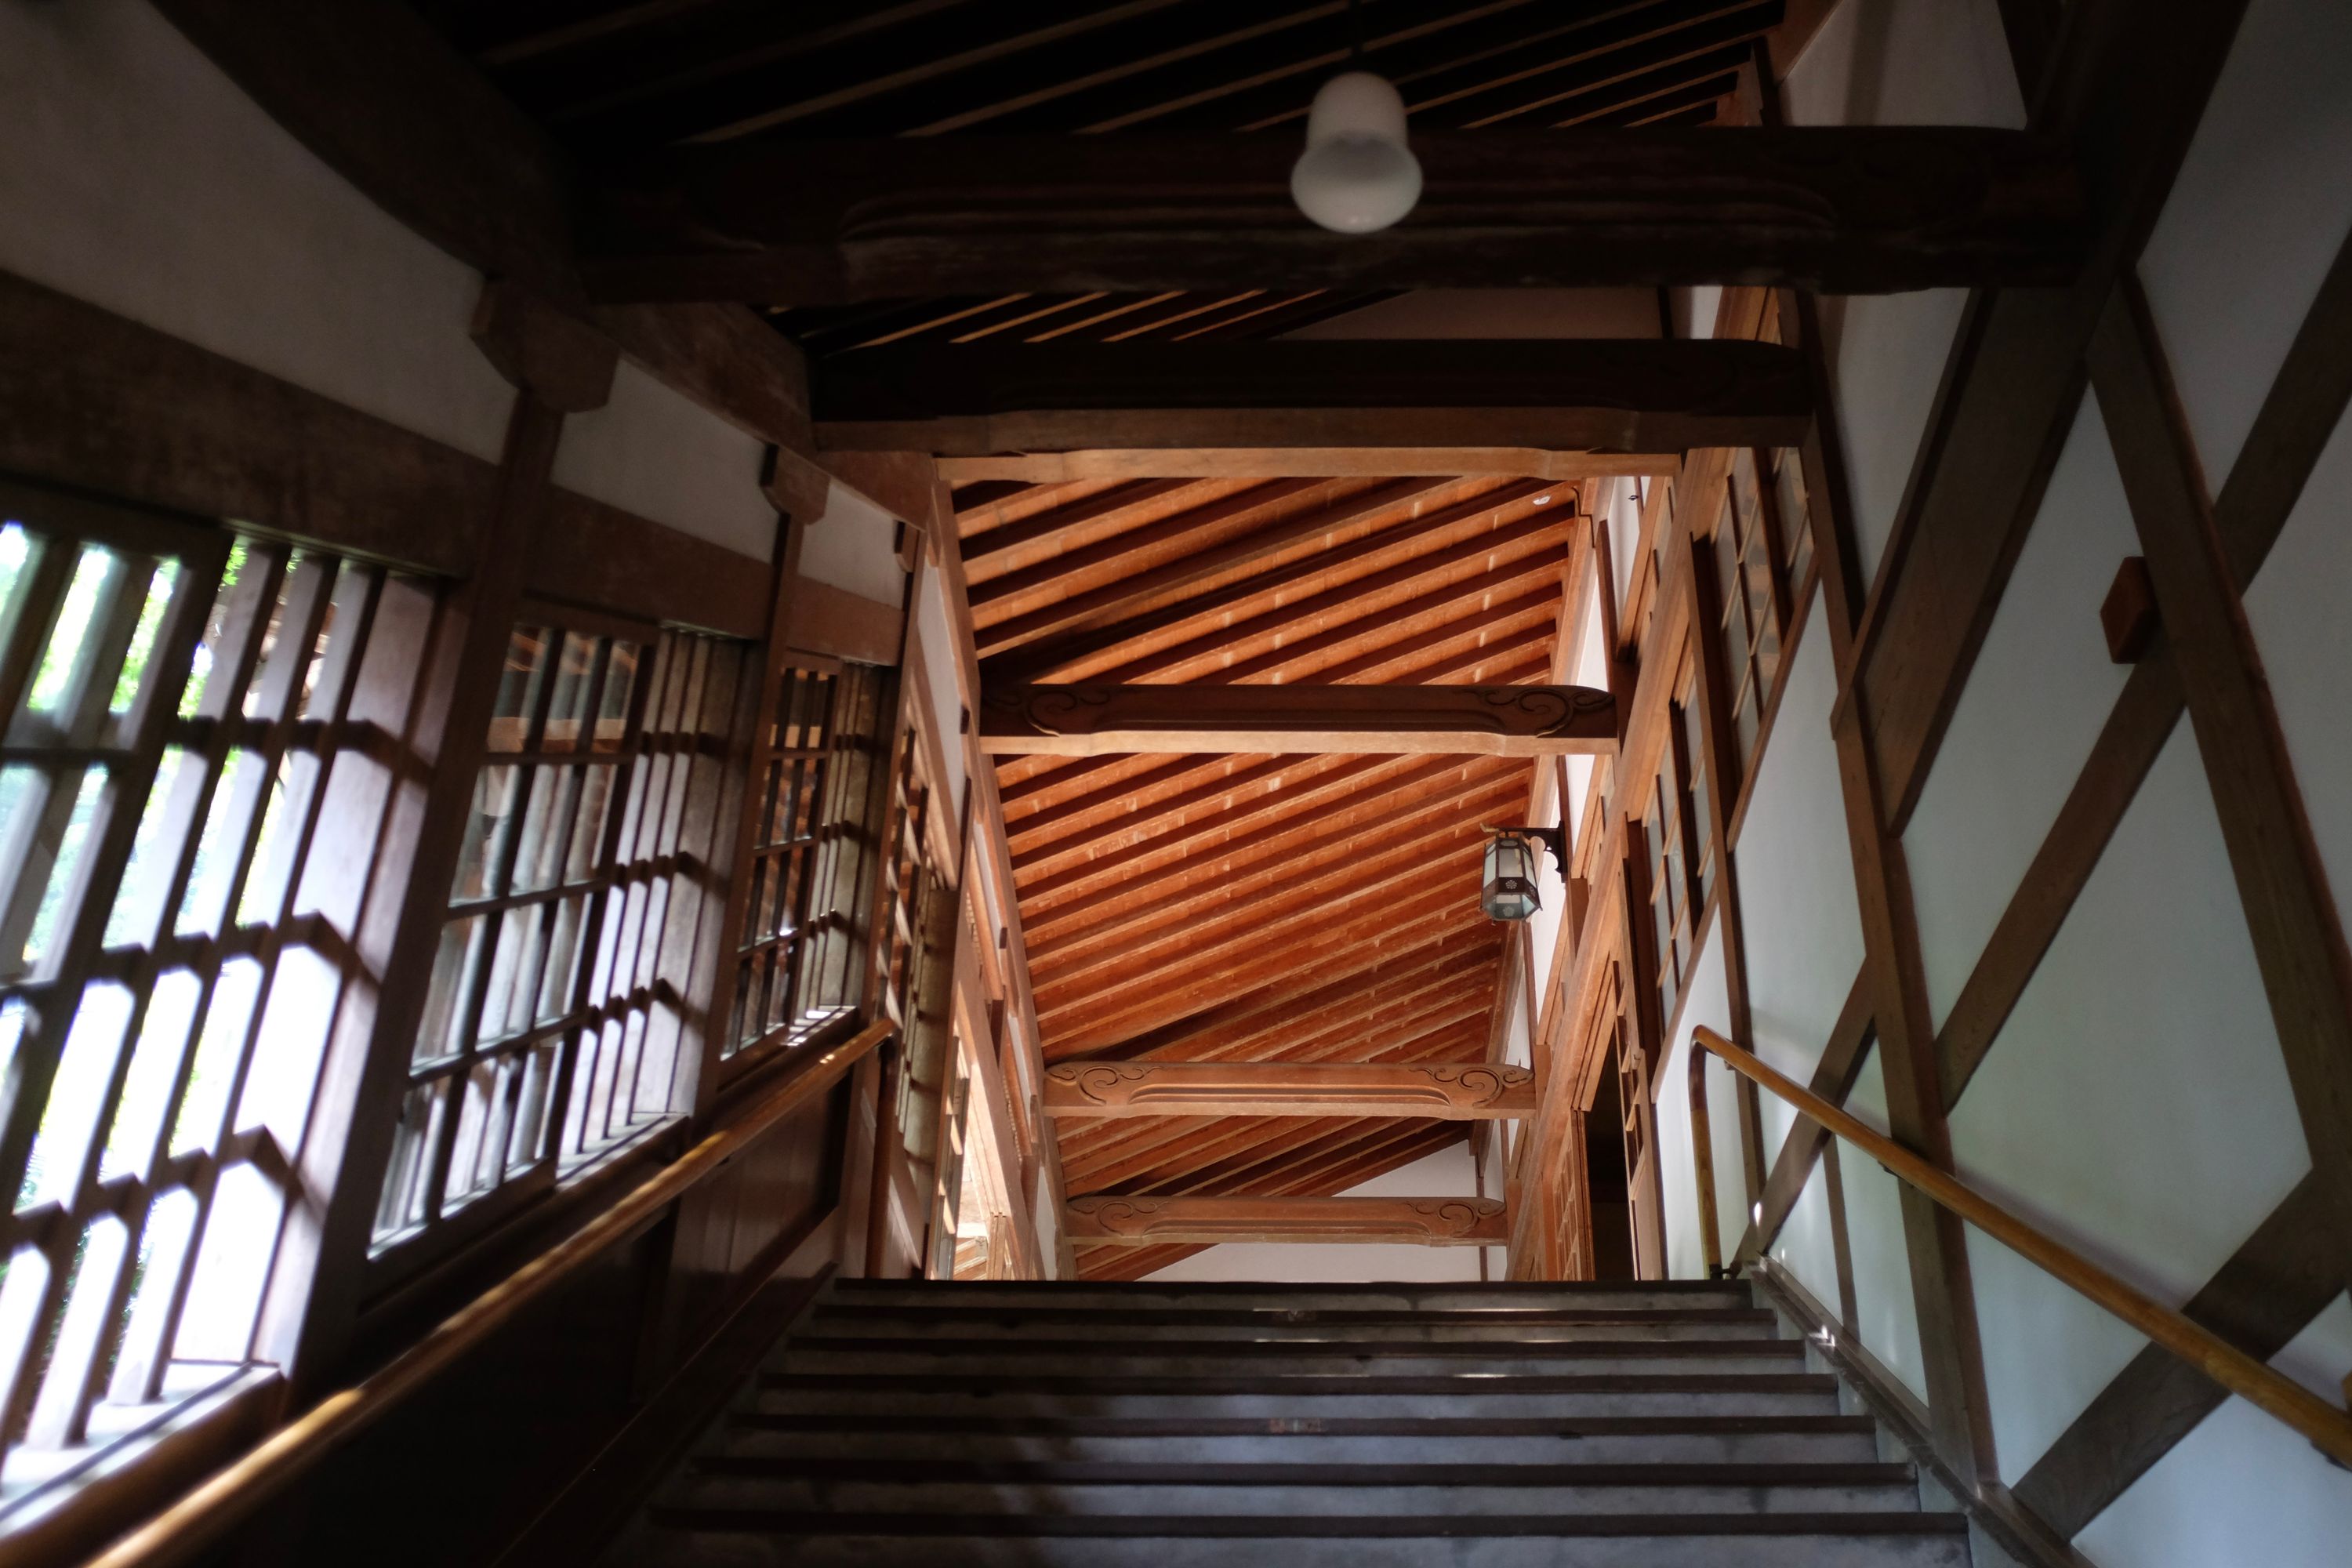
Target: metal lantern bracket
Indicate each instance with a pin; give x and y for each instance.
(1554, 838)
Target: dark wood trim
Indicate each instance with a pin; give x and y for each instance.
(2277, 1281)
(1585, 395)
(2298, 938)
(1841, 209)
(599, 556)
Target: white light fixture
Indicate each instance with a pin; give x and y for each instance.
(1356, 175)
(1507, 891)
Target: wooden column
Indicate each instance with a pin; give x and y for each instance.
(555, 372)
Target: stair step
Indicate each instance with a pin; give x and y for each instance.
(746, 1538)
(1225, 1358)
(1113, 1298)
(873, 1319)
(1295, 1395)
(1788, 1439)
(885, 1487)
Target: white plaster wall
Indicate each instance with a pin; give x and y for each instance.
(134, 175)
(1803, 928)
(2296, 606)
(853, 545)
(1886, 1314)
(2041, 688)
(1446, 1173)
(654, 452)
(1805, 1246)
(1498, 314)
(2136, 1105)
(2242, 1487)
(1919, 62)
(1705, 1001)
(2260, 208)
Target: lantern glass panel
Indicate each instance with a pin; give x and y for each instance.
(1509, 893)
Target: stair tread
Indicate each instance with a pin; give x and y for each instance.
(1111, 1473)
(795, 1521)
(1426, 1427)
(1492, 1350)
(1243, 1317)
(1315, 1383)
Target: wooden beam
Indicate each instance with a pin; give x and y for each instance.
(1447, 1092)
(1587, 394)
(1490, 721)
(1426, 1222)
(1301, 462)
(827, 619)
(1838, 210)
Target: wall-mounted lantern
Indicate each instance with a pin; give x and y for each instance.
(1509, 893)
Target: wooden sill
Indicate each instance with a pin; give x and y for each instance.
(61, 1506)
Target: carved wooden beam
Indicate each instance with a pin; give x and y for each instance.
(1302, 462)
(1593, 395)
(1446, 1092)
(1839, 209)
(1489, 720)
(1424, 1222)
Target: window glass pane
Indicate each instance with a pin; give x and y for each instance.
(539, 856)
(163, 1040)
(215, 643)
(204, 1110)
(613, 703)
(222, 845)
(48, 826)
(273, 631)
(135, 660)
(454, 963)
(519, 685)
(588, 823)
(70, 1116)
(567, 710)
(486, 833)
(15, 557)
(66, 652)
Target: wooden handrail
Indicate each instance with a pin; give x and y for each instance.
(209, 1512)
(2328, 1429)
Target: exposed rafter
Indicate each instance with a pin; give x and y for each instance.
(1489, 720)
(1428, 1222)
(1454, 1092)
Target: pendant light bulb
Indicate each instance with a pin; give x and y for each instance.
(1356, 175)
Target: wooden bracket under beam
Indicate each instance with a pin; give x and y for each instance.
(1449, 1092)
(1489, 720)
(1151, 1222)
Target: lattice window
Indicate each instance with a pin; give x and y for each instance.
(1689, 744)
(1674, 902)
(552, 1021)
(201, 736)
(1755, 600)
(819, 791)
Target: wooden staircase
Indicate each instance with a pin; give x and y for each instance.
(1474, 1427)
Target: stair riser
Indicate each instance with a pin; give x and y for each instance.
(1346, 1502)
(1774, 1448)
(1556, 1406)
(956, 1325)
(721, 1550)
(1114, 1299)
(1012, 1361)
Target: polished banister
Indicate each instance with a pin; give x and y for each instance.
(2328, 1429)
(212, 1510)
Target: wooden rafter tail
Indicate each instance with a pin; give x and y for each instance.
(1492, 720)
(1424, 1222)
(1452, 1091)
